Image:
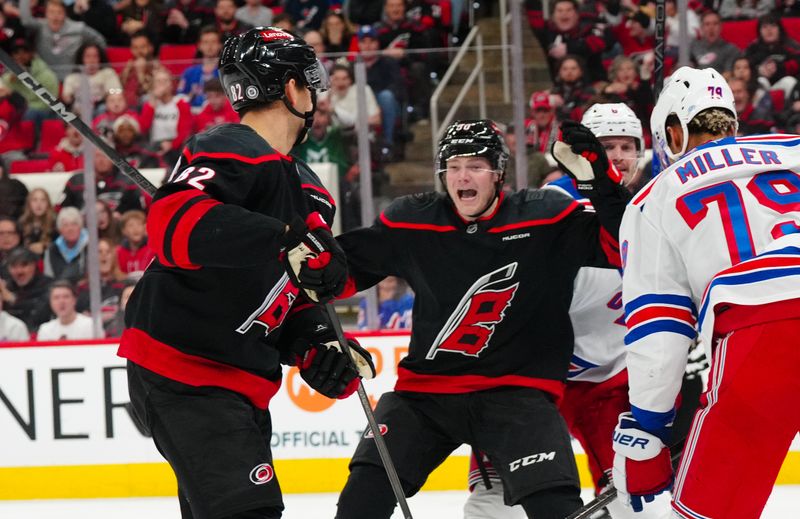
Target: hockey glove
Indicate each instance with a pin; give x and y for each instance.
(582, 157)
(314, 260)
(642, 466)
(328, 370)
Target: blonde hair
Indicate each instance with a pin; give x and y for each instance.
(46, 223)
(714, 121)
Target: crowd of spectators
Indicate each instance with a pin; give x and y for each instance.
(602, 51)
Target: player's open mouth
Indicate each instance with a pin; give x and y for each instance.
(467, 194)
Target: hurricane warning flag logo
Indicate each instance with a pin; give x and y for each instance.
(471, 325)
(262, 473)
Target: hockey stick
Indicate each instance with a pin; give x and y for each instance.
(58, 107)
(611, 494)
(380, 443)
(658, 76)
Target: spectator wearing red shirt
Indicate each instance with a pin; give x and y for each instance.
(165, 118)
(116, 106)
(133, 254)
(634, 37)
(217, 109)
(68, 154)
(12, 109)
(565, 33)
(541, 127)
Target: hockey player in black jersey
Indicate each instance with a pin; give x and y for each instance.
(492, 340)
(230, 293)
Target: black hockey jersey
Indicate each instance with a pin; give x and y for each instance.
(209, 309)
(492, 297)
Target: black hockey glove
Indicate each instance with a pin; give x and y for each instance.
(314, 260)
(328, 370)
(582, 157)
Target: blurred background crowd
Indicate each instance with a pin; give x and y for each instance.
(151, 67)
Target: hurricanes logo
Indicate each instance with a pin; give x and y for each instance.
(471, 325)
(273, 310)
(382, 427)
(262, 473)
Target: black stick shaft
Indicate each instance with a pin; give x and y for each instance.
(380, 443)
(658, 69)
(58, 107)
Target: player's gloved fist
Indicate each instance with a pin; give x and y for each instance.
(581, 155)
(642, 466)
(314, 260)
(328, 370)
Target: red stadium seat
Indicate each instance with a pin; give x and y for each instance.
(778, 100)
(741, 32)
(29, 166)
(177, 58)
(52, 133)
(792, 26)
(118, 57)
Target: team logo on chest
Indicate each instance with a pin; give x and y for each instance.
(471, 325)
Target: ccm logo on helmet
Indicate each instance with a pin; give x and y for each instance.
(273, 35)
(382, 427)
(262, 473)
(530, 460)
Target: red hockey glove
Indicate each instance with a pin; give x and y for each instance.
(642, 466)
(326, 368)
(314, 260)
(582, 157)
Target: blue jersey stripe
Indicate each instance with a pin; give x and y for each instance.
(661, 325)
(660, 299)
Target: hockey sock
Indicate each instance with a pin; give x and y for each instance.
(366, 495)
(552, 503)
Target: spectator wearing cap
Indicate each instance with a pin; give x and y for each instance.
(710, 50)
(68, 324)
(57, 37)
(565, 33)
(774, 55)
(193, 78)
(541, 127)
(744, 9)
(68, 154)
(254, 13)
(22, 51)
(66, 256)
(25, 292)
(217, 109)
(384, 78)
(127, 141)
(114, 188)
(11, 328)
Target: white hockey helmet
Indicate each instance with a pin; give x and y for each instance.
(686, 93)
(614, 120)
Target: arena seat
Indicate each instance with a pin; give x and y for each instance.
(118, 57)
(29, 166)
(177, 58)
(740, 32)
(52, 133)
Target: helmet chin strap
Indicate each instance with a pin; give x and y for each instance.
(308, 117)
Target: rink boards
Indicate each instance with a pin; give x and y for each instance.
(67, 434)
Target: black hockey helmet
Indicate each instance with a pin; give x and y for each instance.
(255, 66)
(473, 138)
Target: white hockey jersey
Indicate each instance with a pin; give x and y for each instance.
(721, 225)
(596, 314)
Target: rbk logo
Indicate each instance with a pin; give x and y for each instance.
(273, 310)
(472, 323)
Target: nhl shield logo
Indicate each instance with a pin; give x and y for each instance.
(262, 473)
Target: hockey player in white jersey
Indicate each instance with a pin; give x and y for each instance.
(712, 245)
(596, 391)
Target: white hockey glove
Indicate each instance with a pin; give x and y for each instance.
(581, 155)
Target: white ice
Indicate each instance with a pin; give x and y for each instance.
(784, 503)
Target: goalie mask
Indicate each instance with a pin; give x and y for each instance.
(256, 65)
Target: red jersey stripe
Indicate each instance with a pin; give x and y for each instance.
(161, 213)
(533, 223)
(235, 156)
(409, 381)
(660, 312)
(416, 226)
(138, 347)
(183, 230)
